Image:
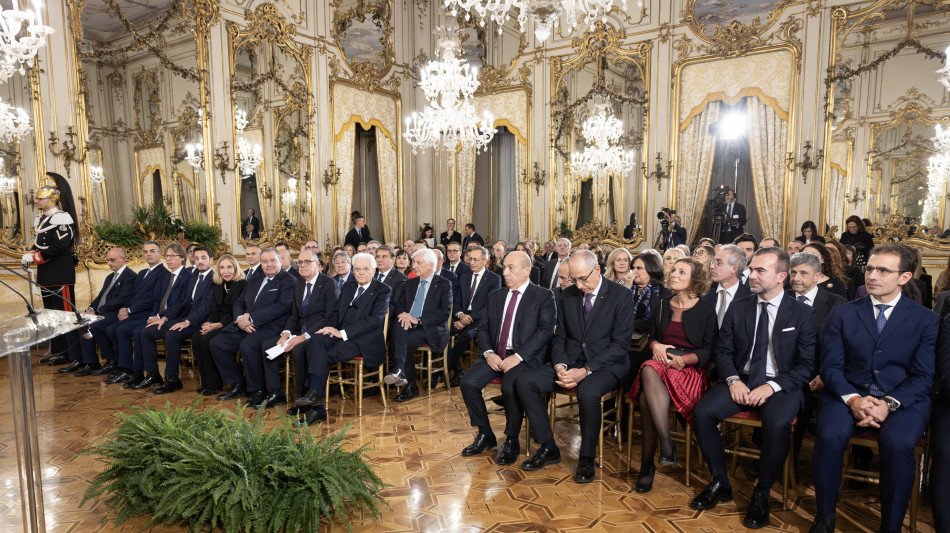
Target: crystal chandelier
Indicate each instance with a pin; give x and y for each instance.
(196, 155)
(546, 14)
(14, 123)
(943, 75)
(449, 118)
(96, 174)
(19, 47)
(6, 183)
(249, 158)
(603, 155)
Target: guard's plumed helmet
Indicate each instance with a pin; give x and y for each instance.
(48, 191)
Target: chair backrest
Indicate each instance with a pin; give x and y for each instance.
(386, 329)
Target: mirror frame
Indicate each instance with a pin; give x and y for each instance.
(365, 74)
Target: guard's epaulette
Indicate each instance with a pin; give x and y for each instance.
(61, 218)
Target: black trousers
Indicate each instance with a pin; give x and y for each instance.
(201, 346)
(52, 300)
(272, 366)
(404, 342)
(173, 341)
(322, 351)
(940, 474)
(99, 337)
(777, 414)
(477, 378)
(462, 342)
(227, 344)
(536, 383)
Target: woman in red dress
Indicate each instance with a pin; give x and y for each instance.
(681, 343)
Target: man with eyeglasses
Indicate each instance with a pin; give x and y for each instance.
(877, 365)
(724, 270)
(588, 353)
(341, 269)
(474, 287)
(453, 252)
(450, 235)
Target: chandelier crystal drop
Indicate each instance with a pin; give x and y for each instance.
(96, 174)
(449, 118)
(20, 38)
(603, 156)
(545, 14)
(14, 123)
(943, 75)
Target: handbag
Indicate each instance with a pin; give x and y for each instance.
(639, 341)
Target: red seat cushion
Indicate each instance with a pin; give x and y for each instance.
(496, 381)
(754, 417)
(358, 358)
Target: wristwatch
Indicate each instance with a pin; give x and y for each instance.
(731, 381)
(589, 371)
(892, 404)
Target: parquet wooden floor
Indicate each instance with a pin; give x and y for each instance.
(416, 449)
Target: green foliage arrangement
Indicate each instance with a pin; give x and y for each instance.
(157, 221)
(201, 233)
(216, 469)
(564, 230)
(123, 235)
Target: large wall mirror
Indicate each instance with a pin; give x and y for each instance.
(271, 92)
(17, 157)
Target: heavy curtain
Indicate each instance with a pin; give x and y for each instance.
(697, 146)
(345, 157)
(768, 140)
(388, 186)
(150, 160)
(465, 183)
(256, 137)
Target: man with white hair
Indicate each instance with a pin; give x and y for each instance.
(563, 251)
(355, 328)
(422, 315)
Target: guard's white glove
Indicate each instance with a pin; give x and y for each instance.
(27, 259)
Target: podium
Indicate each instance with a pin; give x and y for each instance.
(17, 336)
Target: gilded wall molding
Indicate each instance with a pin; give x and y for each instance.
(734, 39)
(367, 75)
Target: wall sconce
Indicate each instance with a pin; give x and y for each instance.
(68, 151)
(659, 174)
(856, 196)
(806, 163)
(331, 176)
(266, 192)
(222, 161)
(537, 178)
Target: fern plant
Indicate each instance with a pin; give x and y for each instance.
(123, 235)
(201, 233)
(216, 469)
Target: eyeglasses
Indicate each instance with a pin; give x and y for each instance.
(305, 261)
(584, 278)
(171, 255)
(882, 270)
(717, 262)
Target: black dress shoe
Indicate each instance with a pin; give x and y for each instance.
(408, 393)
(45, 360)
(236, 390)
(543, 457)
(309, 399)
(210, 392)
(586, 471)
(274, 398)
(757, 516)
(73, 367)
(295, 411)
(172, 384)
(57, 360)
(455, 378)
(823, 524)
(133, 381)
(509, 452)
(87, 370)
(482, 443)
(645, 480)
(714, 493)
(150, 381)
(498, 400)
(256, 399)
(121, 377)
(107, 368)
(317, 413)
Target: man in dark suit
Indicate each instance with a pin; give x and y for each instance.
(563, 252)
(444, 272)
(252, 254)
(765, 356)
(453, 262)
(450, 235)
(386, 273)
(724, 270)
(314, 298)
(877, 365)
(548, 251)
(286, 261)
(513, 335)
(116, 294)
(563, 281)
(734, 223)
(137, 315)
(359, 233)
(589, 353)
(471, 237)
(255, 223)
(677, 231)
(341, 269)
(355, 328)
(179, 323)
(261, 313)
(940, 474)
(422, 315)
(134, 314)
(469, 306)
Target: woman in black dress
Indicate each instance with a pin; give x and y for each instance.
(830, 278)
(857, 235)
(809, 234)
(228, 285)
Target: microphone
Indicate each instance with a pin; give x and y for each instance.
(32, 312)
(44, 290)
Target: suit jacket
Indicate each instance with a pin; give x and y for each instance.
(323, 297)
(699, 324)
(490, 282)
(396, 281)
(435, 310)
(550, 270)
(269, 310)
(121, 294)
(222, 306)
(460, 268)
(354, 238)
(257, 272)
(532, 328)
(196, 309)
(729, 233)
(474, 237)
(143, 295)
(940, 306)
(362, 319)
(713, 294)
(179, 292)
(445, 239)
(824, 304)
(942, 384)
(794, 335)
(900, 359)
(677, 235)
(453, 279)
(295, 273)
(600, 341)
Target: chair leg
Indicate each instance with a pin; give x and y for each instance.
(382, 386)
(915, 493)
(600, 437)
(630, 437)
(359, 389)
(689, 449)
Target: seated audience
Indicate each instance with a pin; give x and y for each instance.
(469, 307)
(618, 267)
(856, 234)
(830, 278)
(810, 233)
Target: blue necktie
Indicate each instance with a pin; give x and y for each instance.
(359, 292)
(416, 310)
(881, 317)
(803, 299)
(259, 291)
(381, 276)
(339, 283)
(303, 306)
(760, 350)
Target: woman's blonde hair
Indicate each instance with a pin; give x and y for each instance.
(612, 257)
(238, 272)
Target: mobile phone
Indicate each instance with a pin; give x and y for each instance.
(670, 352)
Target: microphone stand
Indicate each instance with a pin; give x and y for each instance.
(44, 290)
(32, 312)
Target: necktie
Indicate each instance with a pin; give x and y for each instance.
(452, 268)
(105, 293)
(359, 292)
(471, 292)
(339, 283)
(506, 325)
(721, 312)
(306, 299)
(803, 299)
(260, 290)
(760, 350)
(416, 310)
(881, 317)
(588, 305)
(729, 213)
(201, 277)
(554, 275)
(164, 305)
(381, 277)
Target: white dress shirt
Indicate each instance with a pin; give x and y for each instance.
(730, 296)
(478, 280)
(771, 365)
(809, 296)
(514, 317)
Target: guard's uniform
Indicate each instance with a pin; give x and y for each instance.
(53, 254)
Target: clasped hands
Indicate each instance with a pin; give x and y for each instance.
(502, 365)
(406, 320)
(244, 322)
(660, 355)
(155, 320)
(869, 411)
(753, 398)
(464, 320)
(569, 378)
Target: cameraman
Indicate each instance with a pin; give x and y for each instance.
(734, 223)
(672, 233)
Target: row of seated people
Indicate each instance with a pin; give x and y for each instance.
(877, 371)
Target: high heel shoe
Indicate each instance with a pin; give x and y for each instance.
(669, 460)
(643, 485)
